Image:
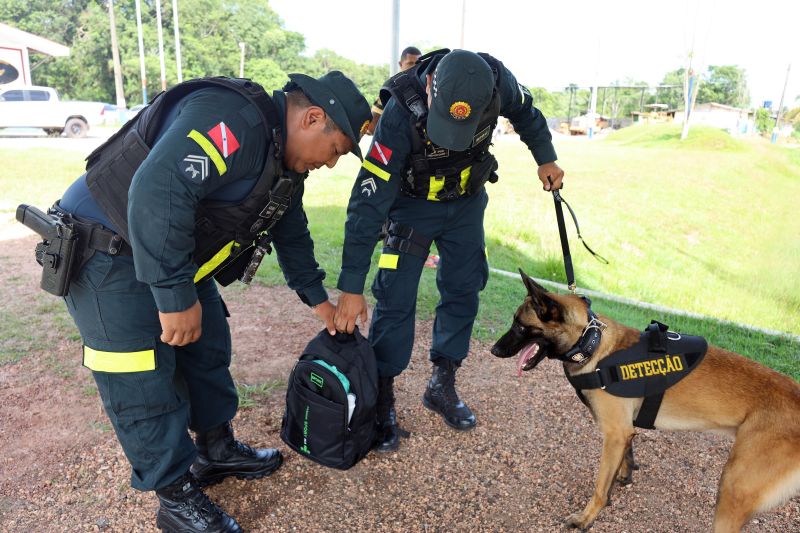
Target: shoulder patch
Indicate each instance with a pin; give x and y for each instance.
(194, 167)
(224, 139)
(380, 153)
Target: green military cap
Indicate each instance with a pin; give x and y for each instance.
(461, 90)
(340, 98)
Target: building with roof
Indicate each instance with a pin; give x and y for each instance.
(15, 48)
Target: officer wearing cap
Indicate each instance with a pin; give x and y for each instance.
(408, 59)
(177, 199)
(425, 172)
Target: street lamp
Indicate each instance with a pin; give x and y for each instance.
(241, 60)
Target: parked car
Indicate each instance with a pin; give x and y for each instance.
(40, 107)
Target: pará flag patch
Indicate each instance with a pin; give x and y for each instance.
(380, 153)
(224, 138)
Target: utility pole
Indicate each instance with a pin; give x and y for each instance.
(395, 48)
(141, 50)
(177, 39)
(776, 130)
(161, 46)
(463, 21)
(115, 56)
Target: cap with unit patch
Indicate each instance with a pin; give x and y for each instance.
(339, 97)
(461, 89)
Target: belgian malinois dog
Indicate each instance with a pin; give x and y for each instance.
(726, 393)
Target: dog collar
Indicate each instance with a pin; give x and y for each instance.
(588, 342)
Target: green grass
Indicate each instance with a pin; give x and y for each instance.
(251, 395)
(706, 225)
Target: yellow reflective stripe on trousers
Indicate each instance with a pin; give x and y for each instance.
(117, 362)
(209, 266)
(436, 185)
(375, 169)
(388, 261)
(209, 149)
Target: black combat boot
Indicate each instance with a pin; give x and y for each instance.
(388, 438)
(219, 455)
(183, 508)
(441, 396)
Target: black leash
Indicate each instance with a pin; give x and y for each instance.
(562, 233)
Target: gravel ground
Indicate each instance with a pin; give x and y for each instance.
(530, 462)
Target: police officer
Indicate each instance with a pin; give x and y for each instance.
(425, 171)
(174, 200)
(408, 58)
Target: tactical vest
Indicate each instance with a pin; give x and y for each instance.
(224, 232)
(646, 370)
(436, 173)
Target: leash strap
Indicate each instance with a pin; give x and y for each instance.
(562, 233)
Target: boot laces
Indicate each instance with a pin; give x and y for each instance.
(447, 378)
(197, 506)
(243, 449)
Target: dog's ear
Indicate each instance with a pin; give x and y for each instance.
(547, 309)
(531, 285)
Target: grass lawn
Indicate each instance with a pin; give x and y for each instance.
(706, 226)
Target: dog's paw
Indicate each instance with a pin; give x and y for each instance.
(577, 521)
(626, 479)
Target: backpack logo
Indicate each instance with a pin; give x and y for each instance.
(317, 380)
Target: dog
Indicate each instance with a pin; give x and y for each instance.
(725, 393)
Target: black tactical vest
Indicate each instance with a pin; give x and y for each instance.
(223, 232)
(436, 173)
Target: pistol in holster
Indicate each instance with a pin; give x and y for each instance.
(58, 250)
(484, 168)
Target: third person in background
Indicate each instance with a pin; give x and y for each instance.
(407, 60)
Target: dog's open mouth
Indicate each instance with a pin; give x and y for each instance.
(529, 357)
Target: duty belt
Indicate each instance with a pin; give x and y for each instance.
(94, 236)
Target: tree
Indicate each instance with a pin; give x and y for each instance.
(725, 85)
(210, 35)
(763, 121)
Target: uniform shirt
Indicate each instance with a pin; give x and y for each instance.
(213, 149)
(387, 162)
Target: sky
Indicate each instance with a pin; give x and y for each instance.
(555, 43)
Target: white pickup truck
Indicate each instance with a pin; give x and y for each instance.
(39, 107)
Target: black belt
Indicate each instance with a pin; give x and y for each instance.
(101, 239)
(94, 236)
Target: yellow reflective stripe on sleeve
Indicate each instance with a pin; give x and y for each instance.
(375, 169)
(209, 149)
(215, 261)
(117, 362)
(388, 261)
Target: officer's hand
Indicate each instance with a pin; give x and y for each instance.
(183, 327)
(325, 312)
(552, 171)
(350, 308)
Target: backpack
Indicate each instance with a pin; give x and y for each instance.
(330, 400)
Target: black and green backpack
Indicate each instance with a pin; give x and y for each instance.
(330, 400)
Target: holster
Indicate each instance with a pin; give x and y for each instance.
(484, 169)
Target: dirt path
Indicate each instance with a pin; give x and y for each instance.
(530, 462)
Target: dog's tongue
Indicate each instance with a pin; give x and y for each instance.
(526, 355)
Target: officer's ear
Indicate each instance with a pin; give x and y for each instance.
(314, 117)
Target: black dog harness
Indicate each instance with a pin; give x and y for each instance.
(647, 369)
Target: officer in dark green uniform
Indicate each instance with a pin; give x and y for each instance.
(176, 199)
(425, 172)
